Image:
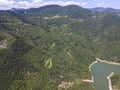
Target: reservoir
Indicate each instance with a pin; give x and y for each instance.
(100, 71)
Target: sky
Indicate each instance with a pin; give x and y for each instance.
(8, 4)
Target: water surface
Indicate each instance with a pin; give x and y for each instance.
(100, 71)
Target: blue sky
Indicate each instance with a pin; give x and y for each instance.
(8, 4)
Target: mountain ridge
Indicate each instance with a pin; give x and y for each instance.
(98, 9)
(108, 9)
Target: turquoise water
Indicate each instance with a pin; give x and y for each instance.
(100, 71)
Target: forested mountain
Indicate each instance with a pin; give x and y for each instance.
(51, 47)
(101, 9)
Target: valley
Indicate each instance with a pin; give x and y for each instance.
(51, 47)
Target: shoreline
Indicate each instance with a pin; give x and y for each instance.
(109, 81)
(88, 80)
(104, 61)
(92, 64)
(108, 77)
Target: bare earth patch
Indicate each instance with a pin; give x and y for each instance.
(3, 44)
(65, 85)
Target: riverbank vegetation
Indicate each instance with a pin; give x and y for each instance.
(116, 81)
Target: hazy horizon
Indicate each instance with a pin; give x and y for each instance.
(8, 4)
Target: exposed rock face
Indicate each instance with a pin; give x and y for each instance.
(3, 44)
(65, 85)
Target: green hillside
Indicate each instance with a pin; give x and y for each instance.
(50, 48)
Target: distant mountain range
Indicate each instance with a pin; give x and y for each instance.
(96, 9)
(101, 9)
(18, 9)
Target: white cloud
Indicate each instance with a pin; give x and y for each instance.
(101, 4)
(84, 4)
(94, 0)
(8, 4)
(37, 1)
(23, 4)
(64, 3)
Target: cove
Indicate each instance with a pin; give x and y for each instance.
(100, 70)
